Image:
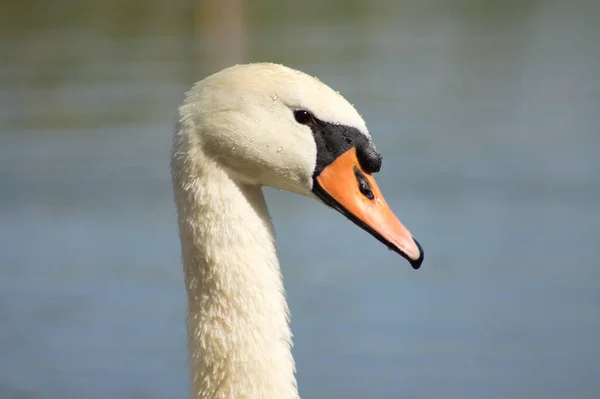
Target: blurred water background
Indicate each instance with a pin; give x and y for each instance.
(487, 113)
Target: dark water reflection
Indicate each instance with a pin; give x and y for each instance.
(487, 114)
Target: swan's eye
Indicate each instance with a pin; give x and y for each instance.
(303, 117)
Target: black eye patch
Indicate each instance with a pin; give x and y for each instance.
(333, 140)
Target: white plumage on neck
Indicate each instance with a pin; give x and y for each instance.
(238, 334)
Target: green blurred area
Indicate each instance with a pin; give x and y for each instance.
(49, 48)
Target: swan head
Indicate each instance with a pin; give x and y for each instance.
(267, 124)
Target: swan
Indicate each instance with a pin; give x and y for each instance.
(239, 129)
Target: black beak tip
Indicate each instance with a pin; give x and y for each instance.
(416, 264)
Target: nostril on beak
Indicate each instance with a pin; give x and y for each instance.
(363, 184)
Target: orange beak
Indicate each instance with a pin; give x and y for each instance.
(345, 186)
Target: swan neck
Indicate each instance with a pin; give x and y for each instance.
(238, 326)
